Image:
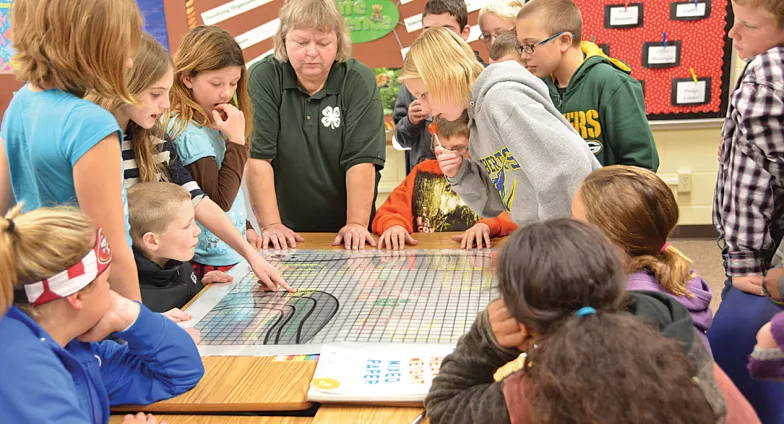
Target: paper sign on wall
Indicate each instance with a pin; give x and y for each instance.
(230, 10)
(413, 23)
(657, 55)
(623, 16)
(685, 92)
(690, 10)
(258, 34)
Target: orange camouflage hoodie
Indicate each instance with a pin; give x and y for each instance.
(425, 203)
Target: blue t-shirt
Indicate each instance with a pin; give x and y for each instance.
(197, 143)
(45, 134)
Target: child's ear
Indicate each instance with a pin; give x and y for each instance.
(75, 300)
(465, 32)
(188, 82)
(566, 41)
(150, 242)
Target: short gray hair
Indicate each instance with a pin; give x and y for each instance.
(322, 15)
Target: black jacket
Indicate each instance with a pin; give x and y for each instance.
(167, 288)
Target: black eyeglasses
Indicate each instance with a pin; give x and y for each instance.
(529, 48)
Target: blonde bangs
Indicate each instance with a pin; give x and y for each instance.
(72, 45)
(321, 15)
(774, 8)
(445, 63)
(504, 9)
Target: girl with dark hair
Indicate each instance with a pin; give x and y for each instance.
(587, 360)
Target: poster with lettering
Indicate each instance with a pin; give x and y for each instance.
(355, 372)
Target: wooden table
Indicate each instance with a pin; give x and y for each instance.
(248, 383)
(221, 419)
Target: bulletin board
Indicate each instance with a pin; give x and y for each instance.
(254, 22)
(696, 39)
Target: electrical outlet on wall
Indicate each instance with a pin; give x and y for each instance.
(684, 181)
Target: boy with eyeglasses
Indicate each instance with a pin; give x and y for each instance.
(595, 93)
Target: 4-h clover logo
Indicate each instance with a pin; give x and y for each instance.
(331, 117)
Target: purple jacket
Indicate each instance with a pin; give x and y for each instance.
(698, 305)
(769, 363)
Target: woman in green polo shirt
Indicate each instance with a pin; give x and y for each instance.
(318, 142)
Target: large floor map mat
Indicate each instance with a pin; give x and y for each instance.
(413, 296)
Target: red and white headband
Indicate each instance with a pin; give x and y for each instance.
(74, 278)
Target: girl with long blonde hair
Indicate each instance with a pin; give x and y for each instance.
(57, 147)
(526, 158)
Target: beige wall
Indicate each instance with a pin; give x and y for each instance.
(685, 149)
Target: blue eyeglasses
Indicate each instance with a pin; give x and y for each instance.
(529, 48)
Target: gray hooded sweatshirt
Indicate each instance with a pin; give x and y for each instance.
(527, 159)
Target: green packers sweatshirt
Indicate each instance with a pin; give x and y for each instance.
(607, 108)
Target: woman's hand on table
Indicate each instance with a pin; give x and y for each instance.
(279, 237)
(396, 238)
(354, 236)
(479, 233)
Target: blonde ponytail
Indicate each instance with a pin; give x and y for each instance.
(671, 268)
(8, 233)
(39, 244)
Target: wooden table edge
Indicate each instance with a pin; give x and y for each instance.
(185, 408)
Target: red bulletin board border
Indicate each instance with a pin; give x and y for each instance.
(701, 41)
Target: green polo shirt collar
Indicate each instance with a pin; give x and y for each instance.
(333, 85)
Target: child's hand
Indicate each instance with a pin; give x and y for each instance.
(177, 315)
(749, 283)
(479, 232)
(396, 238)
(234, 124)
(141, 418)
(267, 274)
(506, 328)
(253, 238)
(765, 337)
(120, 315)
(216, 277)
(448, 160)
(772, 283)
(416, 112)
(194, 333)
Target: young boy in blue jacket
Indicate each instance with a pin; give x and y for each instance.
(57, 366)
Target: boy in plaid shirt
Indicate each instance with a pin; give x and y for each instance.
(748, 208)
